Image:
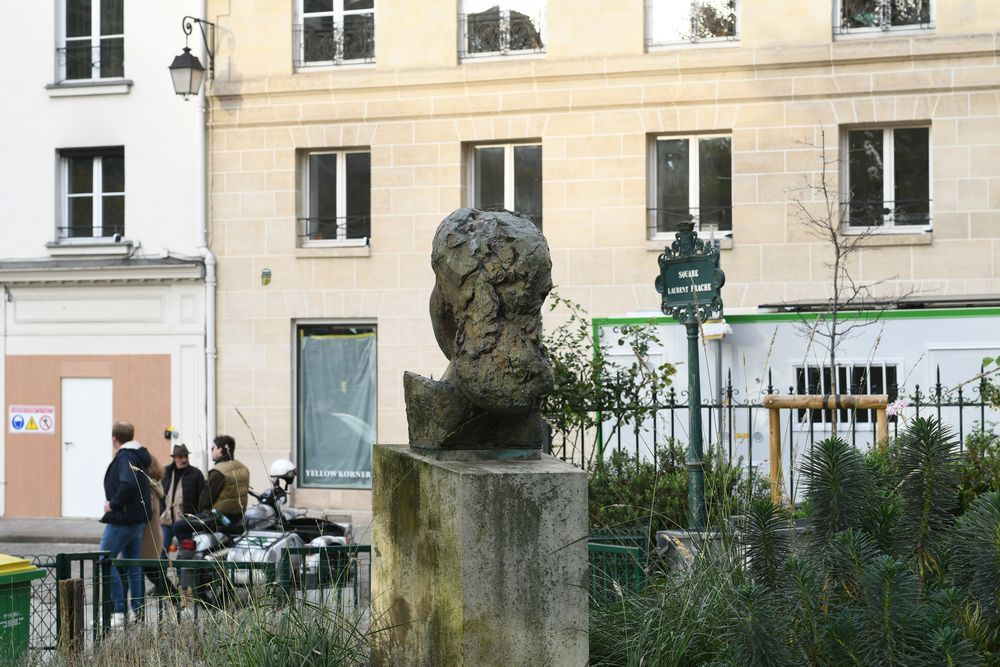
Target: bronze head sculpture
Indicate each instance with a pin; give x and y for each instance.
(493, 272)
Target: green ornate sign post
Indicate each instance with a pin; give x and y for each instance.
(689, 282)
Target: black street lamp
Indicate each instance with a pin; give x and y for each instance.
(187, 71)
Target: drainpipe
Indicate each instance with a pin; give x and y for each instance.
(210, 275)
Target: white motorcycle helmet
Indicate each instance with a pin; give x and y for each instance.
(282, 469)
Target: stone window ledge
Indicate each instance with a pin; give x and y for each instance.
(81, 88)
(333, 251)
(882, 239)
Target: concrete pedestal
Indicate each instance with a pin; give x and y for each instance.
(478, 562)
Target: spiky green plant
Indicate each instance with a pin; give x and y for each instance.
(975, 563)
(928, 468)
(768, 543)
(837, 487)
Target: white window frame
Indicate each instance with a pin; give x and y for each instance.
(95, 44)
(849, 363)
(840, 31)
(307, 185)
(888, 225)
(508, 171)
(338, 15)
(506, 7)
(653, 44)
(97, 194)
(694, 184)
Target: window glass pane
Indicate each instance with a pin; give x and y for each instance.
(912, 168)
(112, 17)
(669, 21)
(672, 179)
(483, 31)
(716, 18)
(528, 182)
(81, 217)
(113, 212)
(336, 405)
(310, 6)
(865, 173)
(81, 174)
(112, 57)
(319, 42)
(715, 190)
(910, 12)
(322, 223)
(861, 13)
(359, 37)
(79, 64)
(488, 169)
(524, 35)
(113, 173)
(78, 18)
(359, 195)
(351, 5)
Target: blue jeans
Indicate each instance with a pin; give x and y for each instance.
(168, 537)
(124, 542)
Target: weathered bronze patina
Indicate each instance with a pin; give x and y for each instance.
(493, 272)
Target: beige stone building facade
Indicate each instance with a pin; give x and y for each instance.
(633, 112)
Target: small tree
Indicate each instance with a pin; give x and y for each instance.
(824, 216)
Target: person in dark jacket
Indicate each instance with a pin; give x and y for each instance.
(183, 485)
(126, 513)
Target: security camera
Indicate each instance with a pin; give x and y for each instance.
(118, 238)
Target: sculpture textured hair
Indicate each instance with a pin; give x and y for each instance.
(493, 272)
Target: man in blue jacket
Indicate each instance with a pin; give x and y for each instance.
(126, 509)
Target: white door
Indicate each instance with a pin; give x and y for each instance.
(86, 444)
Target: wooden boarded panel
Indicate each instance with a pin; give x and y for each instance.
(141, 395)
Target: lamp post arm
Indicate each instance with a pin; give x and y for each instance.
(187, 25)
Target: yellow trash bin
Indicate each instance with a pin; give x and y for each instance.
(16, 575)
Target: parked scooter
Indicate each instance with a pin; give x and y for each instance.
(269, 529)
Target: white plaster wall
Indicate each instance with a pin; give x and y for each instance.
(160, 132)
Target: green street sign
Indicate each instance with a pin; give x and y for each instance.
(690, 279)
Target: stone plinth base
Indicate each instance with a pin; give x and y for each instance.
(478, 562)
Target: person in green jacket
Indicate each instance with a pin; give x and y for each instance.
(223, 501)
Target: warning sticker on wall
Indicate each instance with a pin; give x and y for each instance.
(31, 419)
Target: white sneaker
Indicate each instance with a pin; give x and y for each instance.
(117, 619)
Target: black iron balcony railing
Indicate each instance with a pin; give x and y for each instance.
(108, 231)
(84, 61)
(336, 229)
(495, 32)
(707, 21)
(335, 44)
(879, 213)
(869, 15)
(706, 219)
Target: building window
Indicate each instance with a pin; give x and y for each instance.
(507, 176)
(887, 182)
(93, 40)
(861, 16)
(678, 22)
(501, 27)
(93, 201)
(852, 379)
(335, 32)
(337, 198)
(692, 178)
(335, 404)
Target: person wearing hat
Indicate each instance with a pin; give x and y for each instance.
(183, 485)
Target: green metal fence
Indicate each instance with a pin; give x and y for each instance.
(615, 569)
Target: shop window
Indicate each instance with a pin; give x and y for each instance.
(335, 404)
